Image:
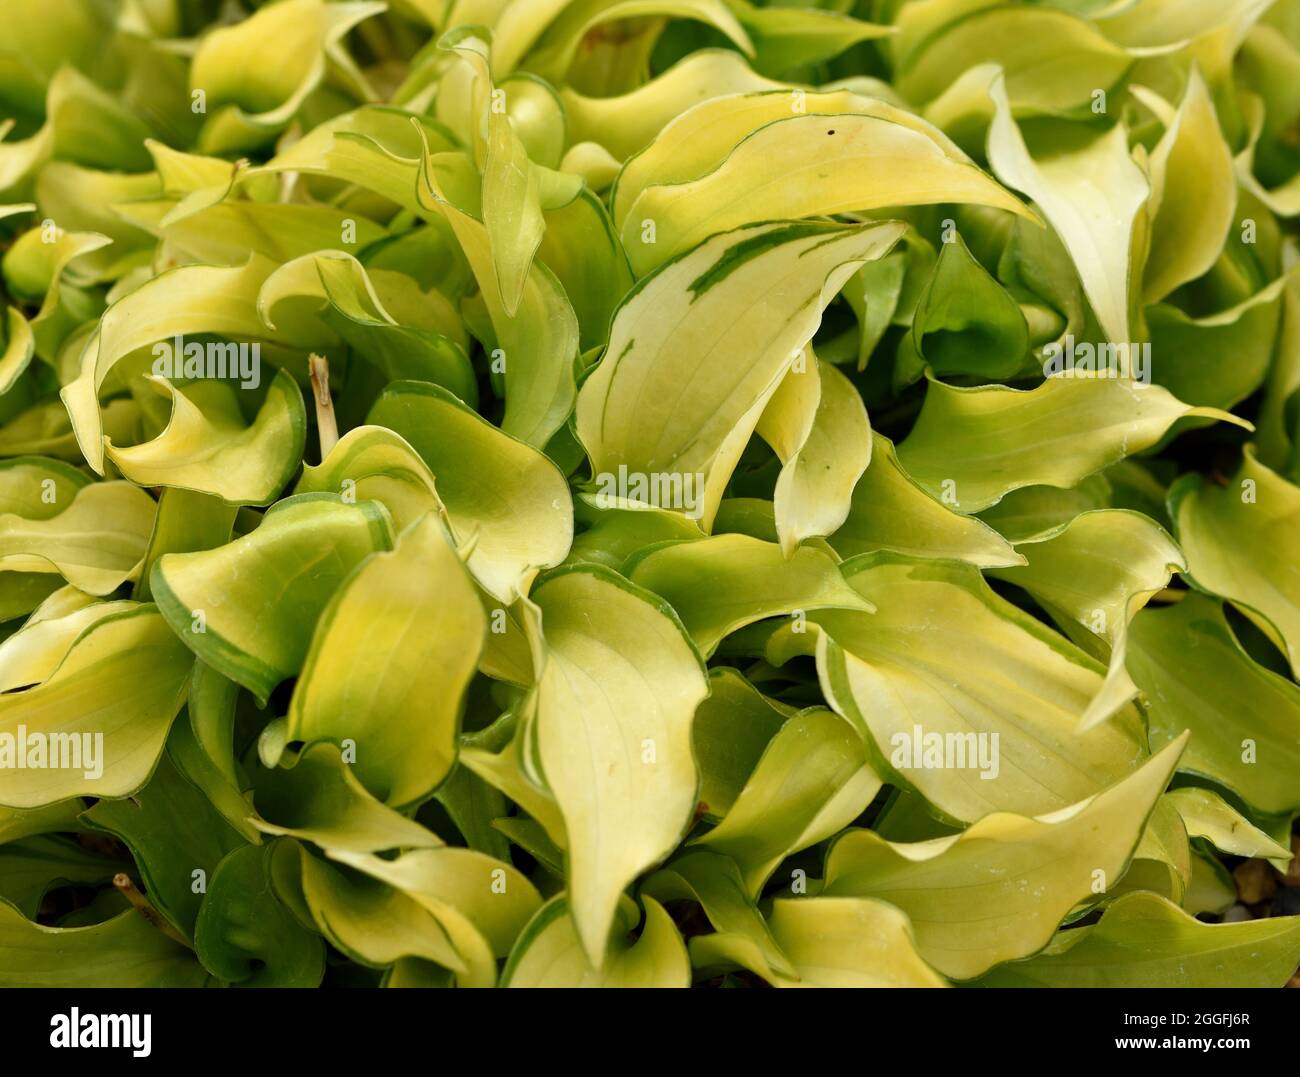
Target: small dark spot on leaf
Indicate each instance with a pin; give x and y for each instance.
(831, 131)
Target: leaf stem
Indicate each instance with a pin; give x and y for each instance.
(145, 907)
(326, 422)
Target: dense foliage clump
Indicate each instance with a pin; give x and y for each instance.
(577, 492)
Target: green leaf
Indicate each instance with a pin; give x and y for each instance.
(32, 867)
(126, 951)
(44, 429)
(474, 806)
(38, 488)
(481, 903)
(789, 37)
(998, 890)
(224, 233)
(1098, 571)
(626, 123)
(258, 72)
(713, 881)
(183, 301)
(977, 445)
(19, 823)
(1241, 543)
(586, 605)
(1232, 348)
(96, 542)
(538, 343)
(1090, 190)
(1033, 512)
(19, 347)
(317, 798)
(817, 424)
(621, 528)
(375, 147)
(611, 721)
(550, 952)
(246, 936)
(1162, 862)
(832, 942)
(353, 309)
(851, 154)
(22, 592)
(176, 837)
(813, 780)
(891, 511)
(1207, 815)
(1194, 192)
(504, 770)
(720, 584)
(105, 712)
(1144, 941)
(254, 622)
(570, 23)
(389, 664)
(965, 698)
(507, 501)
(731, 730)
(1211, 889)
(36, 650)
(371, 463)
(512, 201)
(965, 323)
(371, 922)
(1052, 59)
(582, 249)
(1244, 719)
(208, 448)
(202, 746)
(634, 416)
(186, 521)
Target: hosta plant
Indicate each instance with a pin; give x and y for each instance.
(686, 492)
